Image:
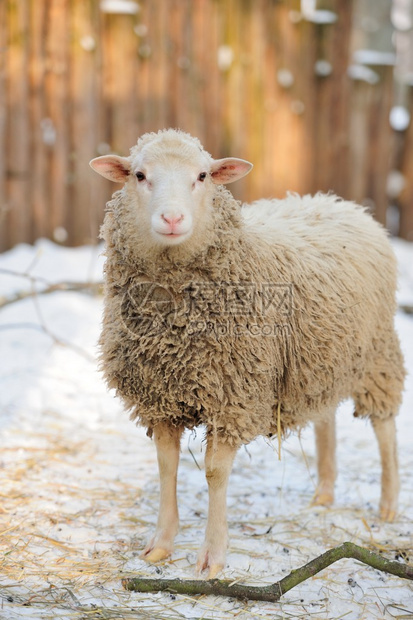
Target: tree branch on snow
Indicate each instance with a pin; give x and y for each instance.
(273, 592)
(90, 287)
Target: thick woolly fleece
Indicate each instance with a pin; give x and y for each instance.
(285, 303)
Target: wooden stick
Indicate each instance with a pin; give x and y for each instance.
(273, 592)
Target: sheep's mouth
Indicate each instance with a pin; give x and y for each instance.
(171, 237)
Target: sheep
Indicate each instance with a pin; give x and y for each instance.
(251, 319)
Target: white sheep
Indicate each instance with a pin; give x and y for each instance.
(251, 319)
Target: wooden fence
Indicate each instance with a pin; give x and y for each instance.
(79, 78)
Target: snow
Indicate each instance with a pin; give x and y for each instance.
(79, 489)
(374, 57)
(285, 78)
(321, 17)
(401, 14)
(323, 68)
(363, 73)
(225, 57)
(310, 13)
(399, 118)
(126, 7)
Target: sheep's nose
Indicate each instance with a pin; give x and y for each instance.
(172, 220)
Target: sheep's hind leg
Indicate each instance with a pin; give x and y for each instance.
(167, 441)
(386, 437)
(325, 434)
(218, 464)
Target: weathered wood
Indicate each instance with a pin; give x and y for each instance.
(18, 215)
(76, 82)
(3, 103)
(405, 201)
(292, 152)
(39, 171)
(122, 58)
(372, 145)
(56, 124)
(380, 154)
(150, 59)
(332, 147)
(86, 194)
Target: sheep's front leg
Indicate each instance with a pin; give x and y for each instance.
(218, 464)
(386, 437)
(325, 434)
(167, 441)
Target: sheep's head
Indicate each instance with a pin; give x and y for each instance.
(170, 179)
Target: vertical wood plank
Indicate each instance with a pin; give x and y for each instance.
(162, 61)
(362, 94)
(87, 130)
(287, 104)
(3, 120)
(333, 102)
(255, 119)
(207, 67)
(122, 53)
(380, 154)
(372, 148)
(405, 165)
(148, 55)
(56, 124)
(39, 183)
(17, 129)
(76, 83)
(144, 106)
(199, 56)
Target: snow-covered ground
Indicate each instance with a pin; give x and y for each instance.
(79, 489)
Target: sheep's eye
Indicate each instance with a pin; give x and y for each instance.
(202, 177)
(140, 176)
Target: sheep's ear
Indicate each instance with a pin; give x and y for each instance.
(229, 170)
(112, 167)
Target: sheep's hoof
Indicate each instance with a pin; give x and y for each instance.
(214, 570)
(387, 514)
(323, 499)
(155, 555)
(209, 572)
(206, 567)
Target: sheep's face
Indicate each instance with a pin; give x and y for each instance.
(174, 191)
(170, 180)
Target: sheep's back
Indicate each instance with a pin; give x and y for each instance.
(342, 272)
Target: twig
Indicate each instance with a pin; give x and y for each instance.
(41, 328)
(273, 592)
(92, 287)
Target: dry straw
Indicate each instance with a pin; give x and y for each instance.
(70, 530)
